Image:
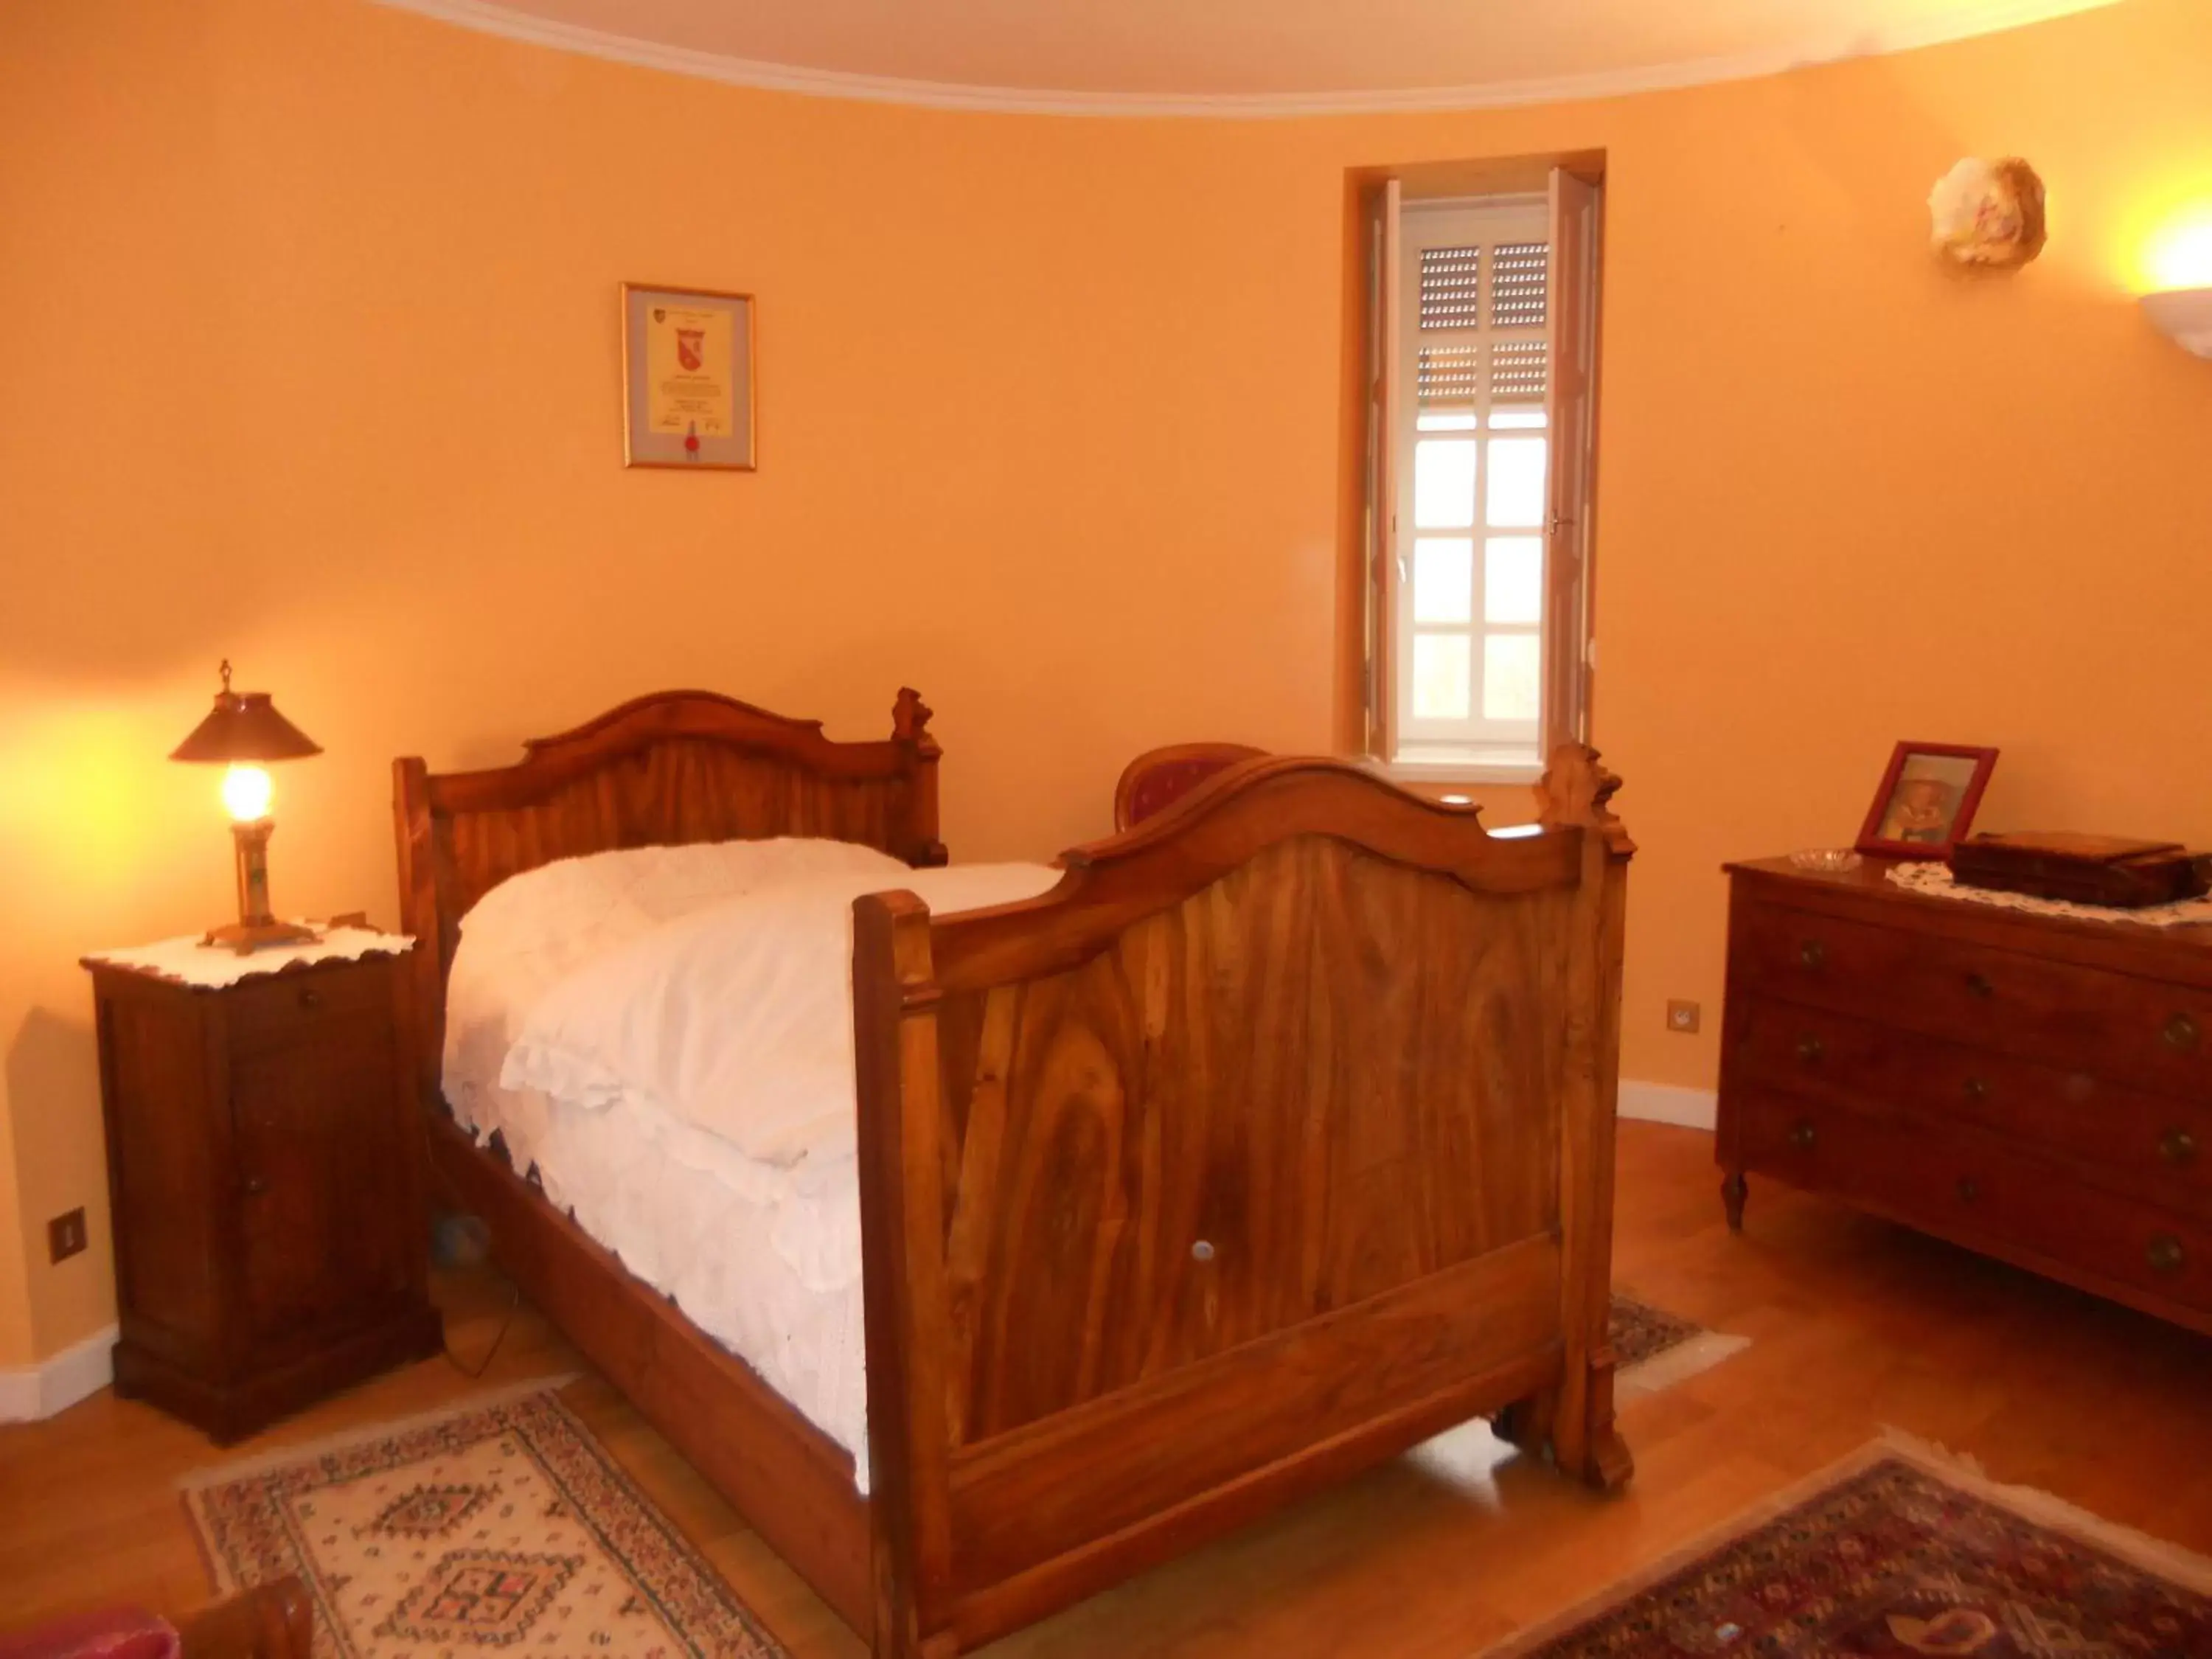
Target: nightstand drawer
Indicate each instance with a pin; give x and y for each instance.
(307, 1005)
(2148, 1033)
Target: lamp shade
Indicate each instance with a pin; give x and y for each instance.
(244, 727)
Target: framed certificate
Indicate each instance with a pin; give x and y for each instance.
(687, 379)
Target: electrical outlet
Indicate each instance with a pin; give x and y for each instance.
(65, 1235)
(1682, 1017)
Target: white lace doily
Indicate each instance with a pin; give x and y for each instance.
(210, 967)
(1933, 878)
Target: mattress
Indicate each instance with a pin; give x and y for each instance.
(766, 1261)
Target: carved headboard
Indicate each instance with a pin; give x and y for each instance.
(673, 767)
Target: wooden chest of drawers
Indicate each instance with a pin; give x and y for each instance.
(2036, 1088)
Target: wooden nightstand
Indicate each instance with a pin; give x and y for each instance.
(264, 1171)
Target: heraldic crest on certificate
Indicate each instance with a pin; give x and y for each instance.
(687, 369)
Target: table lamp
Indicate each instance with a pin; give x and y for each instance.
(244, 730)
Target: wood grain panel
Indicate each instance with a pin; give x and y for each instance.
(1045, 1488)
(166, 1181)
(1278, 1132)
(1321, 1077)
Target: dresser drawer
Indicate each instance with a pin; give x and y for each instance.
(2126, 1139)
(2141, 1031)
(1977, 1189)
(309, 1006)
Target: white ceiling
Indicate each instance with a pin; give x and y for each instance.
(1231, 57)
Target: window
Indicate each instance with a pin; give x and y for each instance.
(1478, 657)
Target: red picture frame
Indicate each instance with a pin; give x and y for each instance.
(1927, 800)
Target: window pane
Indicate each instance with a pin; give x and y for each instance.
(1513, 579)
(1444, 483)
(1451, 422)
(1510, 681)
(1443, 579)
(1516, 482)
(1442, 676)
(1503, 420)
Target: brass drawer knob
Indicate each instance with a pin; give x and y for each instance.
(1813, 954)
(2165, 1254)
(1810, 1048)
(1969, 1189)
(2181, 1034)
(2177, 1147)
(1802, 1135)
(1980, 986)
(1977, 1089)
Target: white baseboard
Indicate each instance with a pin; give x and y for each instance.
(28, 1393)
(1668, 1102)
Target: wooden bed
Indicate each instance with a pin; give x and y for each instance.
(1275, 1138)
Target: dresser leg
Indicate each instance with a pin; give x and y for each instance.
(1734, 1190)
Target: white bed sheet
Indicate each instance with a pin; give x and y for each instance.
(766, 1260)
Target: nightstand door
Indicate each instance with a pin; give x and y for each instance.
(325, 1206)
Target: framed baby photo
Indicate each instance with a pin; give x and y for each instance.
(1927, 800)
(687, 379)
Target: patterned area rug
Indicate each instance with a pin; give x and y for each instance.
(1654, 1349)
(1899, 1550)
(502, 1525)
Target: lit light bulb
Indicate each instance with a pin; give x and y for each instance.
(246, 792)
(2180, 255)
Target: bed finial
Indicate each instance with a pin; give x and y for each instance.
(1575, 789)
(910, 716)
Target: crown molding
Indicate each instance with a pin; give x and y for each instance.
(1985, 17)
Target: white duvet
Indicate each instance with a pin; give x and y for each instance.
(763, 1255)
(737, 1018)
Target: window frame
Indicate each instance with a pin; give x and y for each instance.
(1567, 215)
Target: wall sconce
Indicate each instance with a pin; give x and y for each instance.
(2180, 264)
(2184, 315)
(243, 730)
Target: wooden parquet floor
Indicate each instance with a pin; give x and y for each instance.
(1855, 1325)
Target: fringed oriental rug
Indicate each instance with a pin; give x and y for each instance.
(1900, 1551)
(499, 1526)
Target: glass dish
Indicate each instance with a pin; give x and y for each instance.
(1829, 860)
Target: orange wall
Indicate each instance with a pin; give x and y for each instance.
(307, 320)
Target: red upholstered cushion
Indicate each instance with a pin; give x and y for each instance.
(1164, 785)
(116, 1633)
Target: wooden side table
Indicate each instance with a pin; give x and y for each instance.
(265, 1175)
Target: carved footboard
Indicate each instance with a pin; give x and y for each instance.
(1275, 1138)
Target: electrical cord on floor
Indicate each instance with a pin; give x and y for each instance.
(457, 1240)
(513, 1307)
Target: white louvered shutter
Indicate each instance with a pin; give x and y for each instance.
(1468, 607)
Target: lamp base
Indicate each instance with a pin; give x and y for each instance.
(247, 937)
